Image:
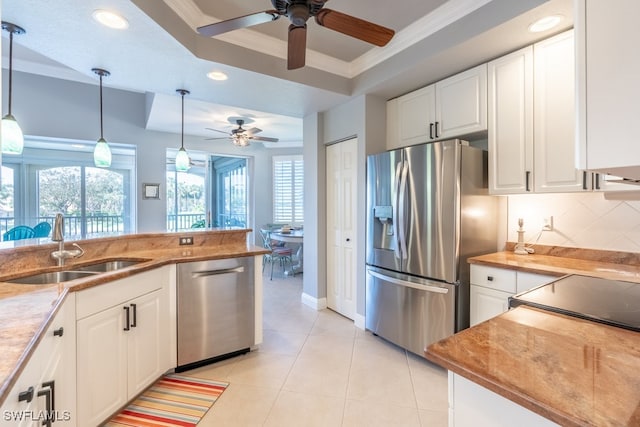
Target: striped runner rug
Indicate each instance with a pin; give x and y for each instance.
(174, 400)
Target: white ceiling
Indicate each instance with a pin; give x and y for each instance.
(161, 52)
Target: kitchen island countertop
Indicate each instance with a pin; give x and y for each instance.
(26, 310)
(571, 371)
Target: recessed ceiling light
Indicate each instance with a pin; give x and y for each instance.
(546, 23)
(217, 75)
(110, 19)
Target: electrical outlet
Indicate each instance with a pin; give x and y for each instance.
(547, 223)
(186, 240)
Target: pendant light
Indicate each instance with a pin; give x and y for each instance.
(12, 137)
(101, 152)
(183, 162)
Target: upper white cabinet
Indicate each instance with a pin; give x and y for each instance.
(608, 66)
(531, 120)
(449, 108)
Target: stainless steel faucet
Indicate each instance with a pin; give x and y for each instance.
(58, 236)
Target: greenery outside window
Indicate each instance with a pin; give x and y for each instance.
(58, 176)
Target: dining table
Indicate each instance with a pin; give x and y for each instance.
(292, 236)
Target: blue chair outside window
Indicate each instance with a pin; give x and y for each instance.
(42, 229)
(19, 232)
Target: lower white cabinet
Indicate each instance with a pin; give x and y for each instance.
(472, 405)
(123, 342)
(45, 391)
(491, 288)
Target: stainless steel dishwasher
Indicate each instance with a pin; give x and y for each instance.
(216, 310)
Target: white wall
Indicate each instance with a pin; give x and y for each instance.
(48, 107)
(581, 220)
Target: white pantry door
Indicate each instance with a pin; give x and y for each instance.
(342, 168)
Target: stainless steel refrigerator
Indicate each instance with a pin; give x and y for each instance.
(428, 210)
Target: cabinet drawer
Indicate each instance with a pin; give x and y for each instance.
(494, 278)
(528, 281)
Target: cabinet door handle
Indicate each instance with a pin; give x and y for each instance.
(52, 386)
(26, 396)
(49, 413)
(58, 332)
(348, 239)
(437, 123)
(490, 278)
(527, 177)
(126, 321)
(135, 315)
(430, 130)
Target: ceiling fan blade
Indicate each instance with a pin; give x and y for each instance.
(214, 139)
(237, 23)
(354, 27)
(216, 130)
(263, 138)
(297, 47)
(253, 130)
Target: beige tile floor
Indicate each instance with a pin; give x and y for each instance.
(315, 368)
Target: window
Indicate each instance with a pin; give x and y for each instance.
(57, 176)
(186, 193)
(288, 189)
(231, 203)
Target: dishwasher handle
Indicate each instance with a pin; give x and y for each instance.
(401, 282)
(205, 273)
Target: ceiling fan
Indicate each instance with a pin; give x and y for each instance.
(298, 11)
(241, 136)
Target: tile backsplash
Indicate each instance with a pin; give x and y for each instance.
(583, 220)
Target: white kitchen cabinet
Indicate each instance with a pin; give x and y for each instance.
(48, 380)
(461, 104)
(450, 108)
(532, 116)
(123, 342)
(472, 405)
(608, 66)
(487, 303)
(409, 118)
(491, 288)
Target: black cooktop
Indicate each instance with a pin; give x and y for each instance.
(611, 302)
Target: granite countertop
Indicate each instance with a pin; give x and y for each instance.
(604, 264)
(27, 310)
(571, 371)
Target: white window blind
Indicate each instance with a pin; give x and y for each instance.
(288, 189)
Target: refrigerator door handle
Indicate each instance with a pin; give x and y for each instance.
(396, 221)
(401, 282)
(401, 208)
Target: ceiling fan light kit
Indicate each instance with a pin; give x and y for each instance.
(298, 12)
(241, 137)
(12, 136)
(101, 151)
(183, 162)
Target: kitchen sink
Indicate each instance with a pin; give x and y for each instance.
(103, 267)
(52, 277)
(76, 272)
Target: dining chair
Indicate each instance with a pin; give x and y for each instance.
(42, 229)
(19, 232)
(277, 254)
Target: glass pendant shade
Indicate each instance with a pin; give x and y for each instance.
(182, 160)
(12, 138)
(102, 154)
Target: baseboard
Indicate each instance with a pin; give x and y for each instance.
(313, 302)
(358, 321)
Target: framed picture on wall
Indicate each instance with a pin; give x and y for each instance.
(151, 191)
